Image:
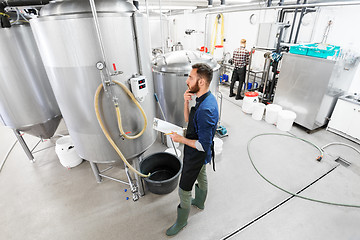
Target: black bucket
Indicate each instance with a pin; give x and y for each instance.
(165, 170)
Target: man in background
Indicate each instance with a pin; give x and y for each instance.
(240, 60)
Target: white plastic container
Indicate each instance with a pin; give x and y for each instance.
(171, 150)
(258, 112)
(218, 145)
(285, 120)
(250, 99)
(271, 114)
(66, 152)
(218, 52)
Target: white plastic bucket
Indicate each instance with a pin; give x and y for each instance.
(66, 152)
(218, 52)
(271, 114)
(250, 99)
(172, 151)
(285, 120)
(218, 145)
(258, 112)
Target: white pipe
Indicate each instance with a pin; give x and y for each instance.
(97, 27)
(205, 35)
(147, 7)
(257, 6)
(161, 29)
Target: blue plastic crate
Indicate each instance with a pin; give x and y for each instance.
(315, 51)
(299, 49)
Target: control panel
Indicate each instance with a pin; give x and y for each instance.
(139, 87)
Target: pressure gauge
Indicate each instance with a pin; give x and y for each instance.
(100, 65)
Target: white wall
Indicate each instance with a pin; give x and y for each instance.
(159, 30)
(343, 31)
(180, 23)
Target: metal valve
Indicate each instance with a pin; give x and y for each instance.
(135, 197)
(116, 73)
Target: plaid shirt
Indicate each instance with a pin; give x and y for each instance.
(241, 57)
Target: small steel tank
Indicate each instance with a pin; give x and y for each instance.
(27, 102)
(170, 73)
(70, 49)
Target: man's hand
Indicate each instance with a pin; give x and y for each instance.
(176, 137)
(180, 139)
(188, 95)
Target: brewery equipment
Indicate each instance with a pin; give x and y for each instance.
(27, 102)
(170, 73)
(73, 37)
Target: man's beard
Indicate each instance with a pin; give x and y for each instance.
(195, 88)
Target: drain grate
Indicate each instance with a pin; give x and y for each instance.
(343, 162)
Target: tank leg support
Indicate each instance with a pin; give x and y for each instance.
(135, 184)
(24, 145)
(96, 171)
(138, 179)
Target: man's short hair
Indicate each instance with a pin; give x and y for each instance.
(204, 71)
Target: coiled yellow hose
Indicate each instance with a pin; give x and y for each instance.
(4, 14)
(118, 114)
(215, 32)
(107, 135)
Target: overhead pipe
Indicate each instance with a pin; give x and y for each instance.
(256, 6)
(292, 25)
(161, 29)
(300, 20)
(281, 16)
(269, 3)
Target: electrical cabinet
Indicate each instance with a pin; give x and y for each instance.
(346, 118)
(305, 87)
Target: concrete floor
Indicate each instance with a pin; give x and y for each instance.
(44, 200)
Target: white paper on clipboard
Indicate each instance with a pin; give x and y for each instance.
(166, 127)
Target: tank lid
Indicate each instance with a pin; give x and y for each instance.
(251, 94)
(83, 6)
(181, 61)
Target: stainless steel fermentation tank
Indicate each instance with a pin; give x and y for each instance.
(67, 38)
(27, 102)
(170, 73)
